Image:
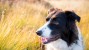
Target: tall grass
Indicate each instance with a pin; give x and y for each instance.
(18, 25)
(19, 22)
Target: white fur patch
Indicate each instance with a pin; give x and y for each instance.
(57, 45)
(45, 30)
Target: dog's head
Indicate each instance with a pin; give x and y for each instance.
(59, 25)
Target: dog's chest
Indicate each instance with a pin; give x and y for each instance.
(57, 45)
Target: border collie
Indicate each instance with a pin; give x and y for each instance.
(60, 31)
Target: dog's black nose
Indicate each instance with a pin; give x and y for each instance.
(39, 33)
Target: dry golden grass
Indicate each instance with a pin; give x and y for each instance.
(18, 25)
(19, 22)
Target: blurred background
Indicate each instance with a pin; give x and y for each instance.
(19, 20)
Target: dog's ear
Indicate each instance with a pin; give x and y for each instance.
(72, 16)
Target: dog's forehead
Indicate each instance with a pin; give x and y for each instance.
(54, 14)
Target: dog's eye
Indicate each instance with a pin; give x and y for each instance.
(55, 22)
(54, 26)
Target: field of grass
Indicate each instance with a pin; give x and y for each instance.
(19, 22)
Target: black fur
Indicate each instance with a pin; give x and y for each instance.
(63, 26)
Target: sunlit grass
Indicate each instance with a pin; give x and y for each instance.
(18, 25)
(19, 22)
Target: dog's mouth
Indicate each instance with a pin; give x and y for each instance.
(48, 40)
(45, 40)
